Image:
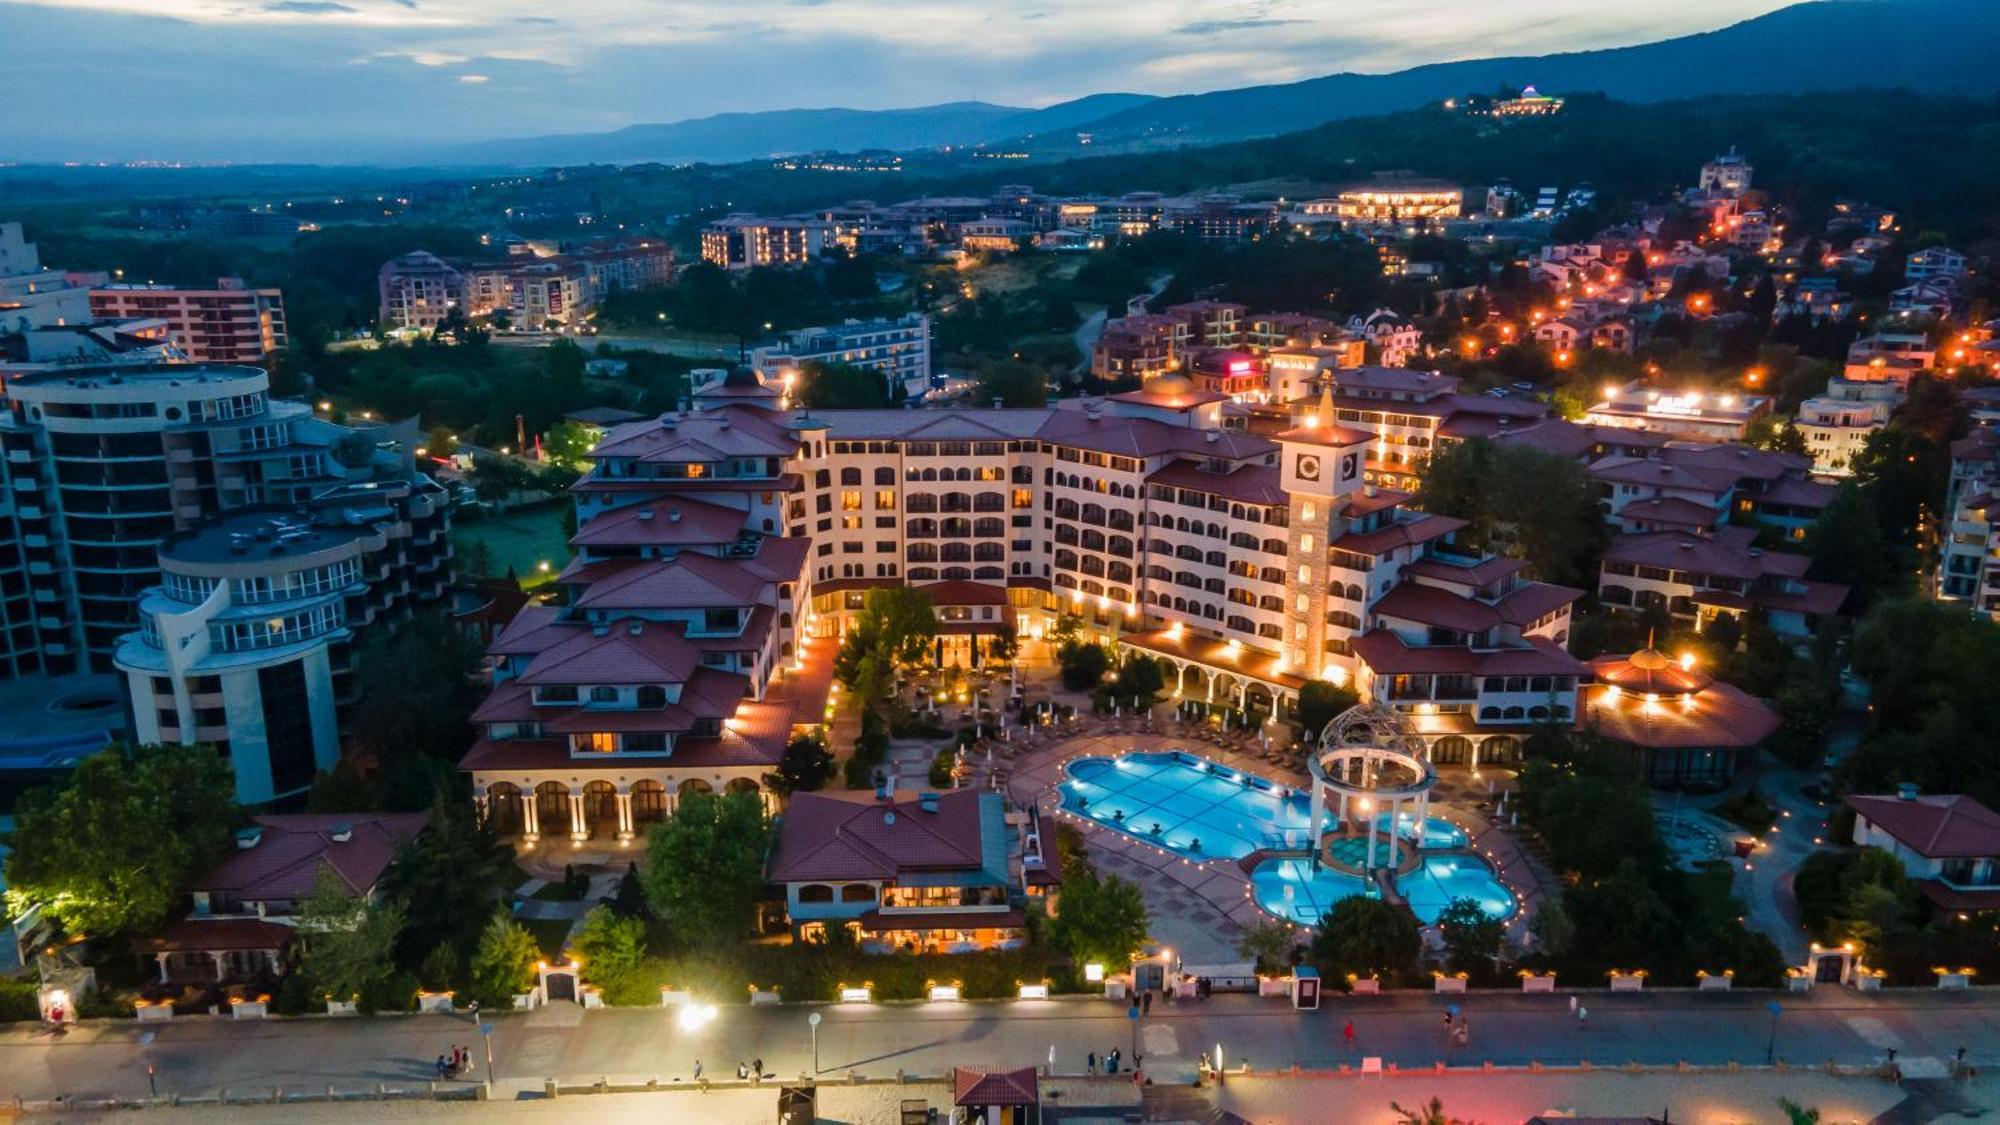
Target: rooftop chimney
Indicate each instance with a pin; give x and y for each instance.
(248, 838)
(342, 832)
(645, 513)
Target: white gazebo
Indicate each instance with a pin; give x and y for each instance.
(1371, 759)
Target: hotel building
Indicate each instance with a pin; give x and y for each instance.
(900, 349)
(1694, 414)
(715, 547)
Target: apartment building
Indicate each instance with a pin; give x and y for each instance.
(742, 242)
(36, 296)
(229, 323)
(1697, 415)
(246, 643)
(1836, 425)
(1968, 567)
(418, 290)
(1728, 174)
(900, 349)
(1139, 347)
(1394, 200)
(101, 464)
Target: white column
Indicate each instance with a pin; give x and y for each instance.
(1343, 810)
(624, 814)
(1371, 839)
(1423, 816)
(578, 830)
(531, 816)
(1318, 818)
(1475, 753)
(162, 959)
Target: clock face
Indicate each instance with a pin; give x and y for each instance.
(1350, 466)
(1308, 468)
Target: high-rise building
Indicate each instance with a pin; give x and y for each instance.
(101, 464)
(245, 643)
(230, 323)
(418, 290)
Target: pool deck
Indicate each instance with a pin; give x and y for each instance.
(1202, 908)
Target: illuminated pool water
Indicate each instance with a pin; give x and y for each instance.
(1294, 891)
(1439, 833)
(1186, 804)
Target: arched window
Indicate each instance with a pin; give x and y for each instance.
(815, 892)
(857, 892)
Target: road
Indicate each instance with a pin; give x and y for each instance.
(562, 1041)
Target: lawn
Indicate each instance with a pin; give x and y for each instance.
(520, 540)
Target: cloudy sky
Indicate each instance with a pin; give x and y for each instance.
(349, 79)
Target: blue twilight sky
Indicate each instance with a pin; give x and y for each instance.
(347, 79)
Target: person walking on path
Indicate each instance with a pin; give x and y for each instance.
(1572, 1003)
(1090, 1062)
(1348, 1033)
(697, 1070)
(1582, 1017)
(1146, 1002)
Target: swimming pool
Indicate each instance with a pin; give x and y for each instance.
(1439, 833)
(1186, 804)
(1294, 891)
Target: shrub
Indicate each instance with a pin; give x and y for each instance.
(19, 1000)
(941, 768)
(297, 995)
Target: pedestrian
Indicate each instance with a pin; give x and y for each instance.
(1582, 1017)
(1447, 1025)
(1091, 1062)
(742, 1070)
(697, 1070)
(1572, 1003)
(757, 1068)
(442, 1068)
(1348, 1032)
(1146, 1002)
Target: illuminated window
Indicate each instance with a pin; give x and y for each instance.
(1305, 575)
(851, 523)
(885, 499)
(850, 501)
(1306, 543)
(601, 742)
(1307, 511)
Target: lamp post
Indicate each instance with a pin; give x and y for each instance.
(812, 1021)
(1771, 1045)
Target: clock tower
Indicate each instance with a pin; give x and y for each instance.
(1323, 465)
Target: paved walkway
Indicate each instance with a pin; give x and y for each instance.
(562, 1041)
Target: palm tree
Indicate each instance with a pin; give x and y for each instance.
(1797, 1114)
(1432, 1114)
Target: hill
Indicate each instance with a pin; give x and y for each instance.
(728, 137)
(1929, 46)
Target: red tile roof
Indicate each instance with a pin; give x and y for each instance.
(201, 935)
(1673, 512)
(833, 836)
(1387, 654)
(979, 1085)
(1404, 533)
(291, 849)
(1935, 826)
(672, 521)
(1251, 484)
(1720, 716)
(628, 652)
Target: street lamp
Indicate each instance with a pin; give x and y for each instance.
(812, 1021)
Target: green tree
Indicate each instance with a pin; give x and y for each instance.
(1083, 665)
(1319, 702)
(1552, 929)
(1364, 937)
(612, 948)
(894, 630)
(108, 849)
(842, 386)
(1847, 546)
(1270, 944)
(414, 691)
(349, 944)
(704, 866)
(1100, 919)
(1472, 938)
(446, 880)
(1014, 383)
(806, 765)
(568, 444)
(503, 964)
